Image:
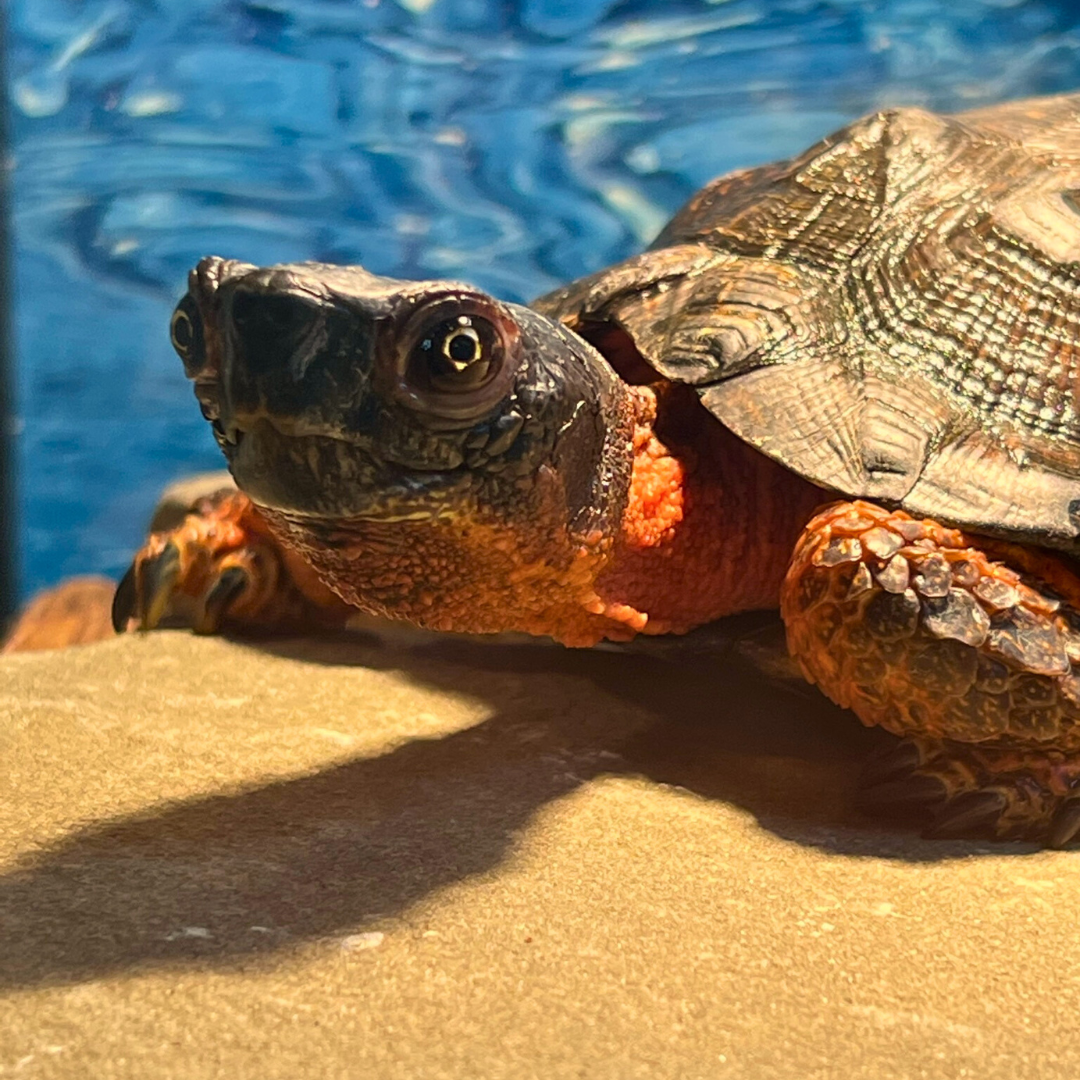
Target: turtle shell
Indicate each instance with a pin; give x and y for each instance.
(894, 314)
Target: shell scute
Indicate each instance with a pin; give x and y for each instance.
(892, 314)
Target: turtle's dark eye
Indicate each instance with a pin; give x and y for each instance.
(183, 333)
(457, 357)
(185, 330)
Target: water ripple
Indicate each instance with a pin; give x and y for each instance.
(512, 144)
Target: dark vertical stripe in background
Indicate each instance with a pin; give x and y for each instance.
(7, 366)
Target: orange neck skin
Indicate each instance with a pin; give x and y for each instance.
(708, 530)
(710, 524)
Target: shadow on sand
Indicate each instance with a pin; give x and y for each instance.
(224, 878)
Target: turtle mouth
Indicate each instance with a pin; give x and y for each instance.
(226, 434)
(231, 436)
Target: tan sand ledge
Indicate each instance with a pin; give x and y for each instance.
(358, 860)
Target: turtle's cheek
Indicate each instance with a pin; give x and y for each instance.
(310, 476)
(275, 471)
(295, 474)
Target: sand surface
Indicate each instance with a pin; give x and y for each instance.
(361, 859)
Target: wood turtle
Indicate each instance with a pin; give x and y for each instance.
(844, 385)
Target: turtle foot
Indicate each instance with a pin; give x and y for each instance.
(967, 647)
(953, 790)
(221, 568)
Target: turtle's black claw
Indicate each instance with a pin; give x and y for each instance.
(124, 601)
(232, 582)
(159, 577)
(1066, 823)
(971, 813)
(899, 797)
(892, 764)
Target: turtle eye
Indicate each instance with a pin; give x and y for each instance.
(457, 357)
(185, 331)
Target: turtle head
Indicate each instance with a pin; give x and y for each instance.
(413, 439)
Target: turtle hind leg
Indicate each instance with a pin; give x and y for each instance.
(924, 631)
(222, 569)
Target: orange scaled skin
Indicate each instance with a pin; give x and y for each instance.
(971, 687)
(710, 524)
(707, 531)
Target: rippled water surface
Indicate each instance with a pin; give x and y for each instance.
(512, 144)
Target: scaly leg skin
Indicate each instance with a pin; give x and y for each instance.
(222, 569)
(964, 646)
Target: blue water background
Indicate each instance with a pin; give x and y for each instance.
(515, 145)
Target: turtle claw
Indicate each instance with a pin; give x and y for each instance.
(951, 790)
(159, 577)
(125, 600)
(893, 763)
(146, 590)
(222, 566)
(970, 813)
(1066, 823)
(230, 585)
(910, 795)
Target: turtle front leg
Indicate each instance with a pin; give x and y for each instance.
(959, 644)
(222, 568)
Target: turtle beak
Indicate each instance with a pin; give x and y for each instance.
(195, 318)
(195, 333)
(197, 336)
